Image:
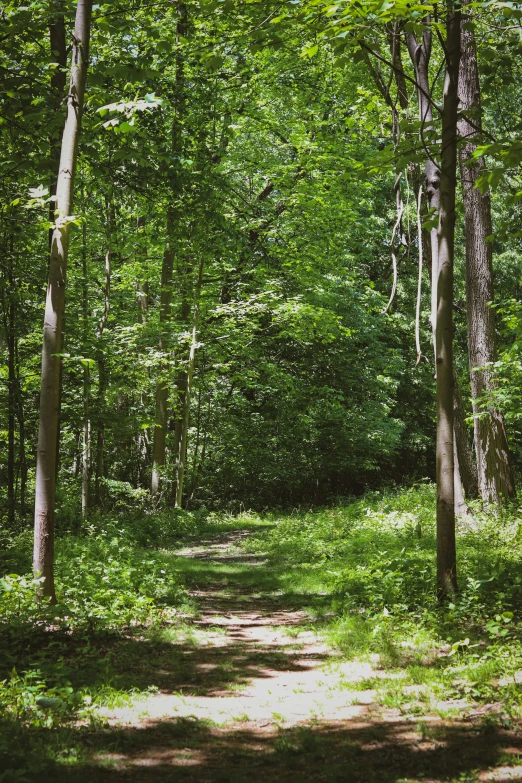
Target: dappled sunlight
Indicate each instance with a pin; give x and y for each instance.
(255, 674)
(262, 691)
(387, 750)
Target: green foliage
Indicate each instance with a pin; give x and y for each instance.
(375, 559)
(103, 581)
(361, 572)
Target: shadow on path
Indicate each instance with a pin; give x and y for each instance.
(252, 693)
(380, 752)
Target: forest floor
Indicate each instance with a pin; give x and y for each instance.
(255, 692)
(262, 674)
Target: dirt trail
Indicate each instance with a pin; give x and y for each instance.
(285, 675)
(260, 698)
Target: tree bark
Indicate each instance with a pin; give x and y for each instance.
(495, 475)
(86, 446)
(142, 285)
(100, 439)
(446, 547)
(21, 436)
(159, 442)
(466, 465)
(58, 44)
(183, 439)
(45, 493)
(11, 384)
(186, 287)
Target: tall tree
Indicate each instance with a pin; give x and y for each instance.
(446, 547)
(8, 313)
(186, 397)
(495, 475)
(100, 353)
(45, 490)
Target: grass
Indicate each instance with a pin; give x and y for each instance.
(362, 572)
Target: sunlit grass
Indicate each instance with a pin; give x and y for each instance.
(360, 575)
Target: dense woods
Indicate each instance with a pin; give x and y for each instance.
(258, 257)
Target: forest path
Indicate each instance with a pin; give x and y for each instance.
(253, 692)
(257, 659)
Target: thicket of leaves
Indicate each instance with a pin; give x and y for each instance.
(303, 388)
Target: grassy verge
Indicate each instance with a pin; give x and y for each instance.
(373, 561)
(364, 571)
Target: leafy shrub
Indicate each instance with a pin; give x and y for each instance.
(100, 582)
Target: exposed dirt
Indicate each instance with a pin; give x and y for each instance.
(260, 698)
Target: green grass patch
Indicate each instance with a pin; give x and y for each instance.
(363, 573)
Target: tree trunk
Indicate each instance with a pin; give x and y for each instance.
(142, 285)
(464, 451)
(11, 384)
(162, 387)
(100, 440)
(58, 44)
(495, 475)
(183, 438)
(86, 446)
(186, 287)
(21, 436)
(446, 548)
(199, 464)
(420, 55)
(45, 494)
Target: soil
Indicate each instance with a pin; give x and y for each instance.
(260, 696)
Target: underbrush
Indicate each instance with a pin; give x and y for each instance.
(57, 662)
(374, 559)
(119, 591)
(365, 570)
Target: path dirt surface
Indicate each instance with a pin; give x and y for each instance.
(261, 696)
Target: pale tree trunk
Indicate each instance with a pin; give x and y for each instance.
(142, 284)
(100, 437)
(45, 493)
(183, 439)
(86, 445)
(420, 54)
(186, 288)
(21, 435)
(162, 387)
(100, 440)
(58, 44)
(198, 464)
(461, 507)
(493, 462)
(143, 304)
(159, 442)
(11, 385)
(446, 547)
(466, 482)
(468, 468)
(196, 450)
